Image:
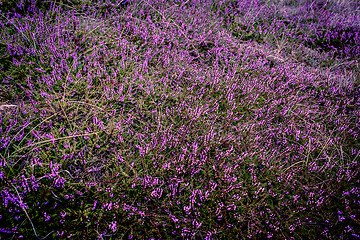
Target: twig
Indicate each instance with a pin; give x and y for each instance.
(156, 228)
(27, 215)
(56, 139)
(2, 107)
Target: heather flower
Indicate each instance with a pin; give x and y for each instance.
(201, 113)
(112, 226)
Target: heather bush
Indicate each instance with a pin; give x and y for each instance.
(174, 119)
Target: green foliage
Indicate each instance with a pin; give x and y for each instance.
(94, 132)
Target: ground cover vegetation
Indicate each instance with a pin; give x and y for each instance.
(165, 119)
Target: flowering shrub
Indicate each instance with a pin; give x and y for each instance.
(180, 119)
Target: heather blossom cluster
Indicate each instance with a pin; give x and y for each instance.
(166, 119)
